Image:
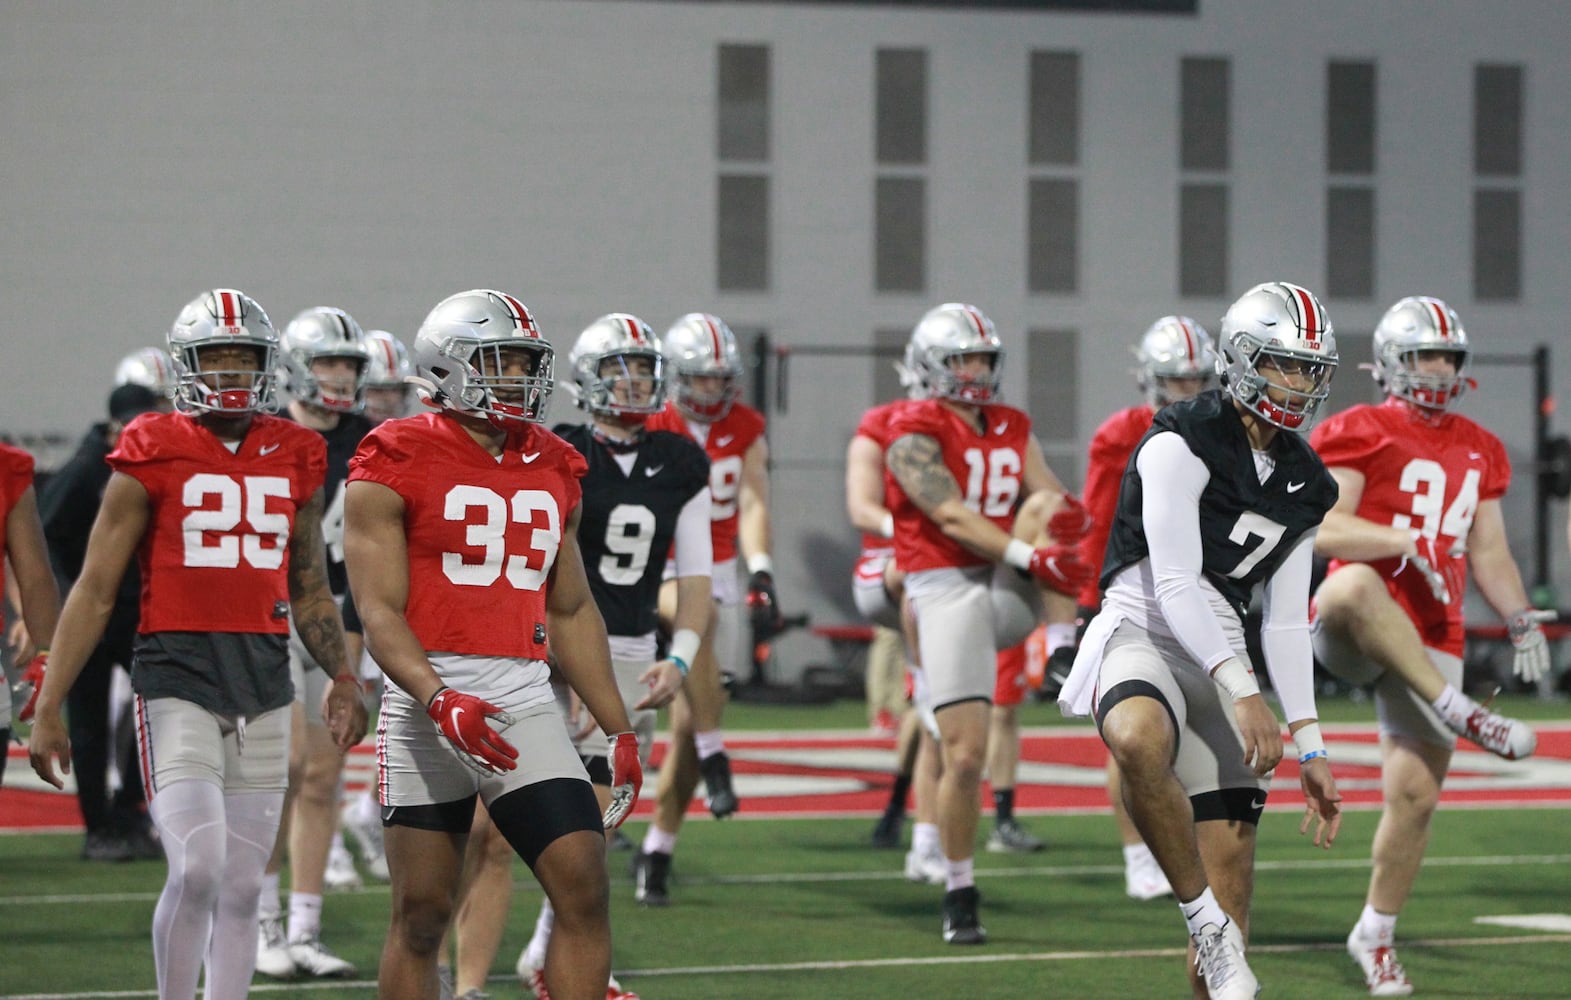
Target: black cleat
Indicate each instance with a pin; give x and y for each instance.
(887, 833)
(718, 795)
(961, 924)
(651, 872)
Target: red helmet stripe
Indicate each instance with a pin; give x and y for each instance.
(1440, 319)
(228, 303)
(714, 336)
(976, 321)
(632, 330)
(386, 347)
(521, 317)
(1190, 345)
(1313, 324)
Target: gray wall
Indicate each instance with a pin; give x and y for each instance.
(378, 156)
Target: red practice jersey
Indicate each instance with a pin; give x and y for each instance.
(875, 427)
(1425, 476)
(483, 532)
(215, 556)
(1111, 446)
(987, 465)
(725, 443)
(16, 475)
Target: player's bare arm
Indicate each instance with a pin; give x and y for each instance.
(1494, 569)
(315, 613)
(694, 610)
(917, 463)
(578, 635)
(320, 626)
(28, 554)
(122, 520)
(1345, 535)
(376, 554)
(865, 485)
(752, 526)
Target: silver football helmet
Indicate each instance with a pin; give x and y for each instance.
(1421, 323)
(324, 332)
(459, 354)
(150, 366)
(615, 339)
(1174, 347)
(387, 387)
(942, 337)
(220, 318)
(1278, 329)
(701, 345)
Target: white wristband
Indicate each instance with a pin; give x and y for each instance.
(1309, 742)
(684, 645)
(886, 527)
(1018, 554)
(761, 563)
(1236, 679)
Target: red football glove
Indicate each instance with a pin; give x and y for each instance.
(1441, 569)
(33, 674)
(627, 778)
(1070, 522)
(462, 720)
(1059, 567)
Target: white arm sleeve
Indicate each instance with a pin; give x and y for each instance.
(695, 553)
(1284, 631)
(1174, 477)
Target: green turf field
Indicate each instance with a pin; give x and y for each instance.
(801, 908)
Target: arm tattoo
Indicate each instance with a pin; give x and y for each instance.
(316, 615)
(918, 466)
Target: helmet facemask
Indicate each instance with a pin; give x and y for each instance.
(1265, 391)
(628, 385)
(487, 388)
(943, 377)
(1435, 391)
(227, 390)
(703, 403)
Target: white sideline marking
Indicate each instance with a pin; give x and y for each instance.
(889, 875)
(869, 963)
(1531, 921)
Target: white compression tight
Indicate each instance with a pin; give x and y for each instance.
(217, 845)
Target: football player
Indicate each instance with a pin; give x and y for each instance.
(949, 539)
(1176, 360)
(223, 504)
(645, 494)
(1420, 501)
(22, 544)
(462, 547)
(323, 364)
(387, 387)
(1216, 500)
(878, 589)
(704, 365)
(117, 825)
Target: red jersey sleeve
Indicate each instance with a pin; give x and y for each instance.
(1111, 446)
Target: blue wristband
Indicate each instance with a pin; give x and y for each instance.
(1311, 755)
(681, 664)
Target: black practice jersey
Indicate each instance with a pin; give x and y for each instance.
(1246, 527)
(341, 444)
(629, 520)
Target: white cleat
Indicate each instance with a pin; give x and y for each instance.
(272, 949)
(1143, 878)
(1219, 955)
(1383, 974)
(1501, 736)
(340, 872)
(930, 868)
(366, 832)
(313, 959)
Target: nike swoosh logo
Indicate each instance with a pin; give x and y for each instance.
(1294, 487)
(267, 449)
(723, 441)
(655, 470)
(1474, 454)
(1001, 428)
(1259, 803)
(529, 458)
